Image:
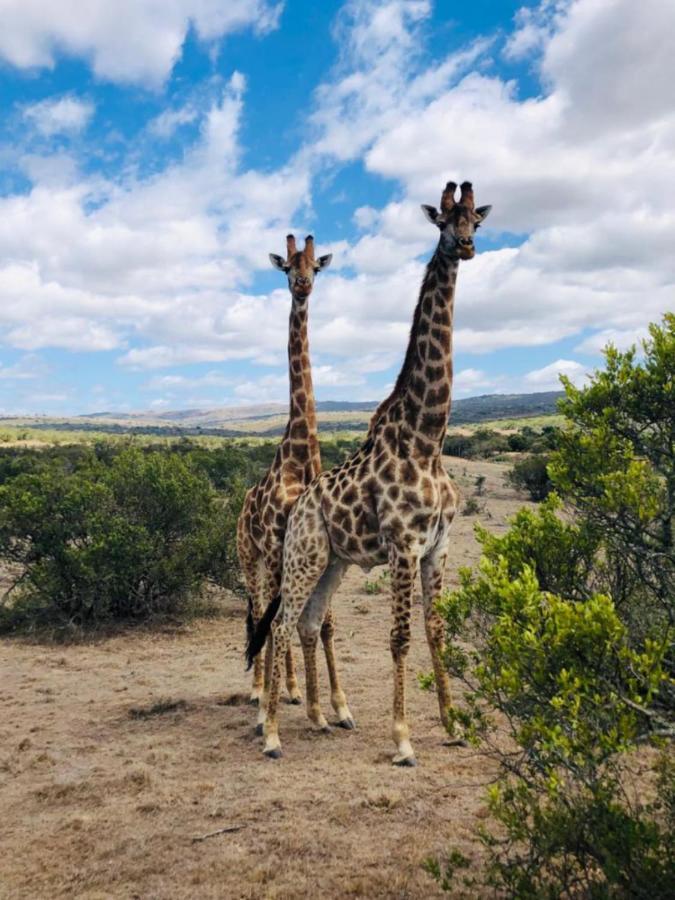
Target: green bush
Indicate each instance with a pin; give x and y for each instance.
(531, 476)
(573, 615)
(126, 540)
(576, 695)
(482, 444)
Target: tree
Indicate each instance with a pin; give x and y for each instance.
(572, 615)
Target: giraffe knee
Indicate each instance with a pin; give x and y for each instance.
(309, 637)
(434, 626)
(327, 629)
(399, 640)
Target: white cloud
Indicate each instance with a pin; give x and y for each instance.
(548, 377)
(160, 267)
(568, 176)
(127, 41)
(166, 123)
(622, 340)
(59, 115)
(91, 264)
(471, 381)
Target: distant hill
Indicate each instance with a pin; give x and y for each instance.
(269, 419)
(504, 406)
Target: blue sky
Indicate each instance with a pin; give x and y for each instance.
(152, 157)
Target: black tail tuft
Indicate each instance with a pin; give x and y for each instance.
(250, 621)
(257, 635)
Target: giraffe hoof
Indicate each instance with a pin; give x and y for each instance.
(405, 761)
(254, 701)
(456, 742)
(348, 724)
(259, 728)
(295, 701)
(274, 753)
(326, 729)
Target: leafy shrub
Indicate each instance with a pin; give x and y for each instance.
(573, 611)
(482, 444)
(576, 694)
(471, 507)
(531, 475)
(126, 540)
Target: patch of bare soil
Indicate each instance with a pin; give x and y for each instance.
(115, 755)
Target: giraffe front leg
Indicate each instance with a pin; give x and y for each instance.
(278, 640)
(253, 571)
(309, 638)
(433, 573)
(337, 695)
(294, 695)
(403, 570)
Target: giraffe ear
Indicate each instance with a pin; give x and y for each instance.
(323, 262)
(431, 213)
(279, 262)
(483, 212)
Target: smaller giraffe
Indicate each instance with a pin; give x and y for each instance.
(262, 523)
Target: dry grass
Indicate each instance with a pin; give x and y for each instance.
(115, 754)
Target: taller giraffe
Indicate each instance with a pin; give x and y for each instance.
(392, 500)
(262, 522)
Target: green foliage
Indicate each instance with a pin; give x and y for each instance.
(482, 444)
(616, 467)
(572, 611)
(103, 542)
(426, 681)
(576, 694)
(377, 585)
(531, 476)
(471, 507)
(561, 553)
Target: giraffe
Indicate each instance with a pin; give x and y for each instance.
(392, 500)
(262, 521)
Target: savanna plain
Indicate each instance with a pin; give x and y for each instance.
(129, 766)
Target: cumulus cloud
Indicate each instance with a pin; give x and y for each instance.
(90, 264)
(160, 267)
(565, 175)
(128, 41)
(59, 115)
(548, 377)
(166, 123)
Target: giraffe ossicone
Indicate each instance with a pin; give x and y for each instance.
(392, 500)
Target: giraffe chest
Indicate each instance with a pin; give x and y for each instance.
(402, 503)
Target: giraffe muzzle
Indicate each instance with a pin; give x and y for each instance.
(303, 286)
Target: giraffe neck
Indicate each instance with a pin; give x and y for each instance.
(302, 425)
(424, 385)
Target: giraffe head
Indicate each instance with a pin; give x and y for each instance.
(457, 221)
(300, 265)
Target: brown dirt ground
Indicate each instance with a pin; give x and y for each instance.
(96, 803)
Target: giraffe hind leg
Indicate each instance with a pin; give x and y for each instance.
(306, 556)
(317, 619)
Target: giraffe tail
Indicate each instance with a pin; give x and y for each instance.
(257, 635)
(250, 621)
